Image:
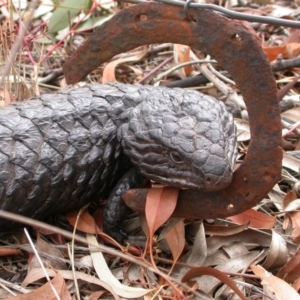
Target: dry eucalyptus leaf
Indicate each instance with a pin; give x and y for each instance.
(209, 284)
(291, 162)
(243, 130)
(37, 274)
(105, 274)
(109, 70)
(281, 289)
(278, 252)
(49, 256)
(46, 291)
(292, 114)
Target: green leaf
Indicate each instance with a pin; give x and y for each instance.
(45, 40)
(93, 22)
(66, 10)
(45, 7)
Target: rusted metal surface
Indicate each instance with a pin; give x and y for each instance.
(238, 51)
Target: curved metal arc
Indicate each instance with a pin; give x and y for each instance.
(237, 49)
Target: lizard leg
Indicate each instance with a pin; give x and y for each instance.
(116, 210)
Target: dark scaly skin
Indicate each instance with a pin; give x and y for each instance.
(59, 152)
(115, 209)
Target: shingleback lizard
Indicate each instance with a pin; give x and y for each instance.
(60, 151)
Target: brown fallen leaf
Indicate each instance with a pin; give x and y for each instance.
(291, 205)
(160, 204)
(293, 49)
(277, 254)
(86, 222)
(296, 285)
(290, 50)
(46, 291)
(109, 70)
(280, 288)
(254, 219)
(96, 295)
(274, 51)
(235, 264)
(37, 274)
(291, 270)
(288, 199)
(182, 54)
(296, 233)
(248, 236)
(219, 230)
(199, 271)
(198, 251)
(54, 256)
(294, 36)
(175, 238)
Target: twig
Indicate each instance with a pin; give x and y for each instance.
(155, 69)
(13, 286)
(18, 44)
(227, 91)
(41, 264)
(170, 71)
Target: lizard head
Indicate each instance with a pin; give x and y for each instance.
(179, 138)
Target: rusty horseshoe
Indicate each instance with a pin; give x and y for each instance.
(238, 51)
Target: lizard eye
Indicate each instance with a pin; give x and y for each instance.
(176, 158)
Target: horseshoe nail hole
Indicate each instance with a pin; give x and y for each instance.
(236, 37)
(249, 196)
(191, 19)
(267, 176)
(142, 18)
(194, 20)
(230, 207)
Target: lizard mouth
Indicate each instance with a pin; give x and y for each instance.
(185, 183)
(209, 183)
